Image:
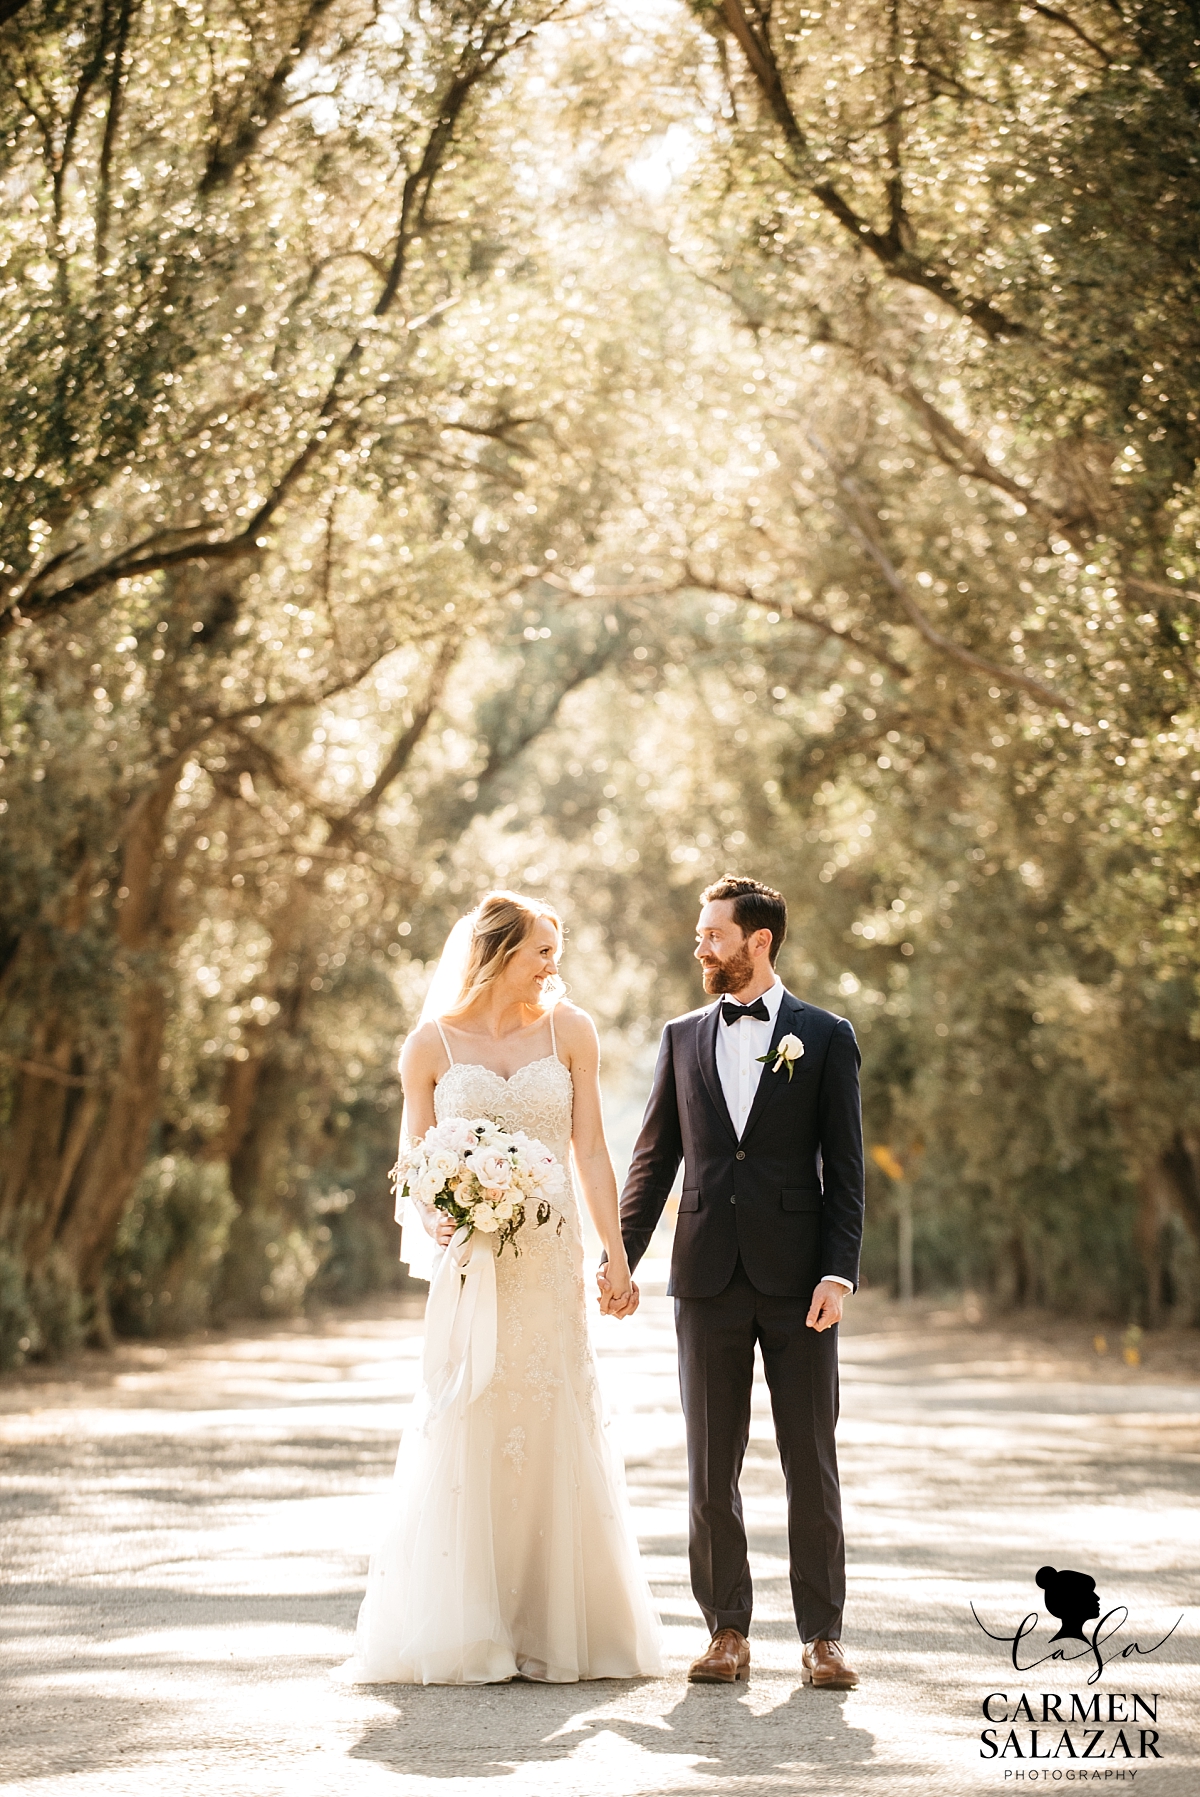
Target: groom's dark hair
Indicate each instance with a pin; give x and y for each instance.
(755, 907)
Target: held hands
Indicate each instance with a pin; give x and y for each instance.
(826, 1307)
(619, 1296)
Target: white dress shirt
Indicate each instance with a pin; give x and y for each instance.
(739, 1068)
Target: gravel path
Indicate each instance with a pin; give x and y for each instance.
(185, 1533)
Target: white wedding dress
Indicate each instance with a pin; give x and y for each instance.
(510, 1550)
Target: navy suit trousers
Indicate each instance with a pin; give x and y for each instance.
(717, 1337)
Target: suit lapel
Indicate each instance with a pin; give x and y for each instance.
(787, 1018)
(706, 1051)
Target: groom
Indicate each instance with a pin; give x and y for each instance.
(757, 1094)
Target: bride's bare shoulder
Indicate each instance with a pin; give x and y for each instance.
(423, 1051)
(574, 1028)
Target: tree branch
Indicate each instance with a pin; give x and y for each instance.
(140, 559)
(899, 261)
(262, 105)
(40, 1070)
(88, 77)
(692, 582)
(1061, 18)
(478, 62)
(475, 63)
(112, 122)
(855, 516)
(224, 720)
(899, 229)
(954, 448)
(969, 456)
(1164, 592)
(405, 745)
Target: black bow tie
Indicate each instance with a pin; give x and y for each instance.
(731, 1011)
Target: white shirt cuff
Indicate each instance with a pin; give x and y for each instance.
(835, 1279)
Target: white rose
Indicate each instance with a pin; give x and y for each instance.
(490, 1166)
(502, 1208)
(786, 1052)
(484, 1219)
(443, 1163)
(554, 1180)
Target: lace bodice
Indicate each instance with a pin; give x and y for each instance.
(542, 1334)
(537, 1099)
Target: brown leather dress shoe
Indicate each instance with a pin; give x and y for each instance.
(825, 1665)
(727, 1660)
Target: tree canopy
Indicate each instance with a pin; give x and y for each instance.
(459, 441)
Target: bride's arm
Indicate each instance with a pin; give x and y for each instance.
(593, 1164)
(420, 1064)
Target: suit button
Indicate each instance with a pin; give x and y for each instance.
(733, 1201)
(740, 1155)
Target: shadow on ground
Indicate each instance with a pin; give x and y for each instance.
(186, 1530)
(714, 1729)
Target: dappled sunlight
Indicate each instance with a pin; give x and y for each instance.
(183, 1578)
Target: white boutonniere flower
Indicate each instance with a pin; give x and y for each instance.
(786, 1053)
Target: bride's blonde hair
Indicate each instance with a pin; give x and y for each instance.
(500, 923)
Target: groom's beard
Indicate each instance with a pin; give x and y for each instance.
(730, 975)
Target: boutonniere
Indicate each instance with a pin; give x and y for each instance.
(786, 1053)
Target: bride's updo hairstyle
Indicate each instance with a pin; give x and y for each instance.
(499, 926)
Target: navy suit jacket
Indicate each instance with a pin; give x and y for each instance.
(787, 1195)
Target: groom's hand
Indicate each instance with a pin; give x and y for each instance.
(610, 1305)
(826, 1307)
(625, 1307)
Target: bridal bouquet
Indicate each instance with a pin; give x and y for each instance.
(483, 1177)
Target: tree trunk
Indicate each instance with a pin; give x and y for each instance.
(1168, 1203)
(55, 1098)
(43, 1144)
(904, 1245)
(283, 981)
(117, 1151)
(78, 1137)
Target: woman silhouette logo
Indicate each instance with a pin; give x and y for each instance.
(1071, 1596)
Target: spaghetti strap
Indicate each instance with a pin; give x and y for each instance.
(441, 1032)
(553, 1042)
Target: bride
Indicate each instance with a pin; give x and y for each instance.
(510, 1550)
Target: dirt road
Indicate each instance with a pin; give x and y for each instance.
(185, 1532)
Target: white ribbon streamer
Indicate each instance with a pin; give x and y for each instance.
(460, 1323)
(418, 1249)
